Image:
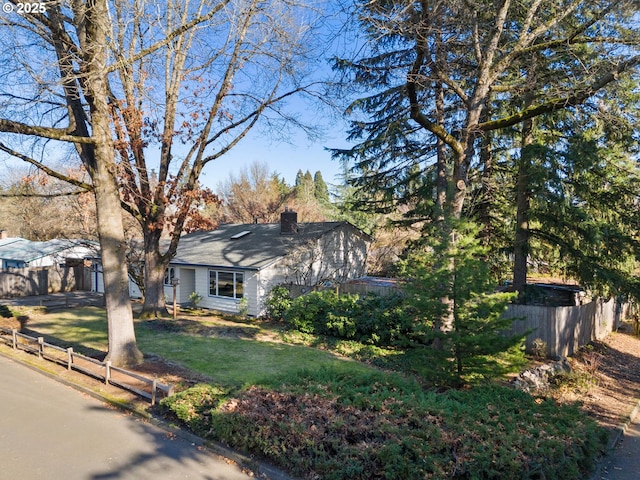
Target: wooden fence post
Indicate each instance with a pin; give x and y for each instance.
(40, 346)
(107, 373)
(14, 335)
(69, 357)
(153, 391)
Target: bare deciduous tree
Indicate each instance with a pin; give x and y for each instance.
(196, 98)
(59, 61)
(170, 88)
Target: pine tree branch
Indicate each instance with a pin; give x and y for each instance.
(576, 98)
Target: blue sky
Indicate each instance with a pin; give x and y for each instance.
(284, 158)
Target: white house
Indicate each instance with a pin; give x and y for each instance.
(236, 266)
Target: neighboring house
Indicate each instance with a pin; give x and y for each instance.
(65, 262)
(236, 266)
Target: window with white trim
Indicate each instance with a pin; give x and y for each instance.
(169, 276)
(226, 284)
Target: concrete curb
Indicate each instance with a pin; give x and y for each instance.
(259, 468)
(613, 441)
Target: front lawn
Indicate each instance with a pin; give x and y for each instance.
(230, 361)
(321, 416)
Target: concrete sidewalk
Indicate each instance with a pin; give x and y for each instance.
(623, 461)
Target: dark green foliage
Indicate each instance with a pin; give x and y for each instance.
(369, 319)
(5, 312)
(332, 425)
(278, 302)
(320, 189)
(586, 198)
(304, 186)
(193, 407)
(453, 296)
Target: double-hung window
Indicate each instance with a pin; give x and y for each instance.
(226, 284)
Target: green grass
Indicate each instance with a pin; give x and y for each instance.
(228, 361)
(80, 327)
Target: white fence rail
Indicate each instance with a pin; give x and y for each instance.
(144, 387)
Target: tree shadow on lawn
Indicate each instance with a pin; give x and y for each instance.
(194, 327)
(87, 351)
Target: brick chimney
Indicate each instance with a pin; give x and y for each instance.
(288, 222)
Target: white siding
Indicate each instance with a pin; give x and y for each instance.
(223, 304)
(187, 285)
(269, 278)
(97, 281)
(337, 256)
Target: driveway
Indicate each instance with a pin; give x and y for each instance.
(68, 299)
(48, 430)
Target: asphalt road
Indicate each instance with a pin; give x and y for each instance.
(51, 431)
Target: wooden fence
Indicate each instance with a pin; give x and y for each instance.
(144, 387)
(353, 288)
(19, 282)
(563, 330)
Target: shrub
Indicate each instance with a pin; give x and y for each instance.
(5, 312)
(278, 302)
(370, 319)
(195, 298)
(193, 407)
(306, 312)
(331, 424)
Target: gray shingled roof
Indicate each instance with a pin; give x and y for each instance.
(258, 249)
(23, 250)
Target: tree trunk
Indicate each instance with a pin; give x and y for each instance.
(523, 198)
(443, 324)
(123, 350)
(442, 185)
(154, 304)
(487, 187)
(523, 195)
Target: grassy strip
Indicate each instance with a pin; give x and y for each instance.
(231, 362)
(237, 362)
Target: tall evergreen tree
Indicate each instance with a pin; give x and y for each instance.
(438, 76)
(320, 189)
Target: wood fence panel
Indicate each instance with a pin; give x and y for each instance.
(565, 329)
(20, 282)
(362, 290)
